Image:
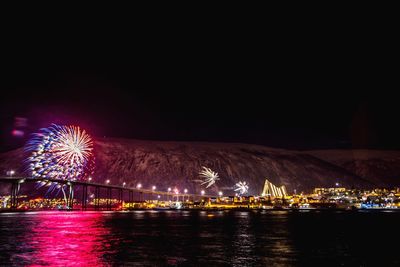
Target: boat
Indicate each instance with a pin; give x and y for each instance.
(175, 206)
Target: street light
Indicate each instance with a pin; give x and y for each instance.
(139, 185)
(337, 184)
(90, 179)
(107, 181)
(184, 195)
(11, 173)
(123, 184)
(202, 192)
(220, 193)
(154, 187)
(185, 190)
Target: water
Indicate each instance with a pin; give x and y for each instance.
(199, 238)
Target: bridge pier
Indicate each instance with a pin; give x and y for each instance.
(130, 199)
(70, 200)
(14, 195)
(84, 197)
(120, 196)
(108, 203)
(96, 198)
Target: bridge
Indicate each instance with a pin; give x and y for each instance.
(143, 194)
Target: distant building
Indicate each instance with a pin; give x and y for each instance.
(274, 191)
(321, 190)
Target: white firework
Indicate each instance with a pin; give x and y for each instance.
(209, 176)
(60, 152)
(241, 187)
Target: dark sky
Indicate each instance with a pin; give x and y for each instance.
(299, 93)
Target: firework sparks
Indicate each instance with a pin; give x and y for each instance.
(60, 152)
(241, 187)
(209, 176)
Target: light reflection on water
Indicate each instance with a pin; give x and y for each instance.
(61, 239)
(162, 238)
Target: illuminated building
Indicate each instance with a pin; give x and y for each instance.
(274, 191)
(321, 191)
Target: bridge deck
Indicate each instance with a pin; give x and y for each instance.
(134, 189)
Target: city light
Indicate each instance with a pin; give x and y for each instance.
(338, 198)
(123, 184)
(107, 181)
(154, 187)
(10, 172)
(139, 185)
(90, 179)
(169, 189)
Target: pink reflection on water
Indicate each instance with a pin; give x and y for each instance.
(67, 239)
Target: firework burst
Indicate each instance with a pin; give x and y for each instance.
(241, 187)
(208, 176)
(60, 152)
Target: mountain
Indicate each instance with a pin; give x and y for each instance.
(378, 166)
(177, 164)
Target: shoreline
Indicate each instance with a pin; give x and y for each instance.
(213, 210)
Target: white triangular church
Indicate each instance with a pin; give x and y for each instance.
(273, 191)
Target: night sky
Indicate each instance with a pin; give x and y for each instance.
(334, 95)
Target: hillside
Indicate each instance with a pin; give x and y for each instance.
(170, 164)
(380, 167)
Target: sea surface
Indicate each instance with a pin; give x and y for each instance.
(200, 238)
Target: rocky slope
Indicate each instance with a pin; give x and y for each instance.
(380, 167)
(170, 164)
